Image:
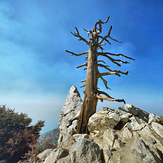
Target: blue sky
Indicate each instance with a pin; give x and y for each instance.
(36, 73)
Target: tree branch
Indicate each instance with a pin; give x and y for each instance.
(82, 86)
(100, 22)
(80, 37)
(83, 81)
(101, 61)
(120, 55)
(105, 55)
(104, 81)
(77, 54)
(84, 64)
(110, 73)
(109, 98)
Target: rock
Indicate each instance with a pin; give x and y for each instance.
(135, 124)
(43, 155)
(126, 133)
(100, 122)
(125, 117)
(70, 110)
(118, 143)
(106, 154)
(78, 137)
(85, 151)
(153, 118)
(161, 120)
(141, 151)
(141, 114)
(121, 111)
(131, 109)
(109, 137)
(158, 128)
(56, 155)
(67, 141)
(64, 160)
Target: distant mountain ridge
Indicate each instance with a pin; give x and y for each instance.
(54, 134)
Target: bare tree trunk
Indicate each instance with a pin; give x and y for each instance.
(92, 94)
(90, 100)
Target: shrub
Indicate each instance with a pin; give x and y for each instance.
(16, 134)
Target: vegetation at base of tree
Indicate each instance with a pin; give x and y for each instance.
(16, 134)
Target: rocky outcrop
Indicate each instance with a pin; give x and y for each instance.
(122, 135)
(70, 110)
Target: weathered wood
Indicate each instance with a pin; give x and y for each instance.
(92, 94)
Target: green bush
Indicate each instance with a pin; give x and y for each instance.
(16, 134)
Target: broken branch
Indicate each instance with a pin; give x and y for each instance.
(84, 64)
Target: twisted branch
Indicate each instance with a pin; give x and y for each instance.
(80, 37)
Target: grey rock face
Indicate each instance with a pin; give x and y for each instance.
(158, 128)
(85, 151)
(141, 151)
(70, 110)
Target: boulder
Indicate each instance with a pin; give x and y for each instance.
(70, 110)
(43, 155)
(158, 128)
(98, 123)
(56, 155)
(85, 151)
(142, 152)
(109, 137)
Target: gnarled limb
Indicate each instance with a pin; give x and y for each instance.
(103, 38)
(80, 37)
(109, 99)
(77, 54)
(100, 22)
(84, 64)
(119, 55)
(113, 60)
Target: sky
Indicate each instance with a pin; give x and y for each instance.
(36, 73)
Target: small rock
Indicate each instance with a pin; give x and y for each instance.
(118, 144)
(158, 128)
(130, 108)
(109, 137)
(125, 117)
(153, 118)
(126, 133)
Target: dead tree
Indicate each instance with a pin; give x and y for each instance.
(92, 92)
